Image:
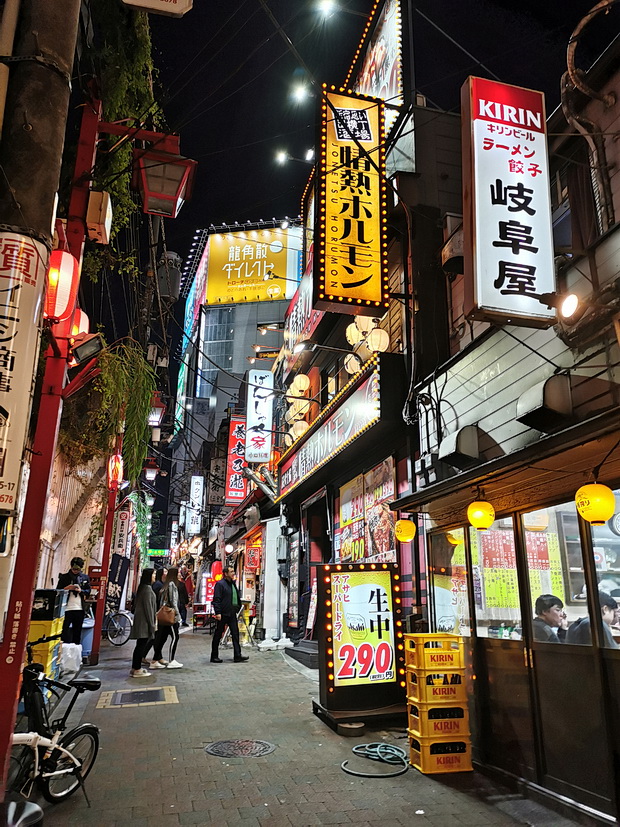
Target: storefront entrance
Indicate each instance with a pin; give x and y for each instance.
(531, 593)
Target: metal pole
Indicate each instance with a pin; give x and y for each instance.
(10, 13)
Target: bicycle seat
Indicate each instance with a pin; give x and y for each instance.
(87, 683)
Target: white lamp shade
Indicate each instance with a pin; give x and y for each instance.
(353, 334)
(365, 323)
(378, 340)
(352, 363)
(301, 382)
(63, 277)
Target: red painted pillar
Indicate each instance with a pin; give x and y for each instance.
(105, 568)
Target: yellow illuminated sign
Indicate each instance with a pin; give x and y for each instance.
(350, 230)
(253, 265)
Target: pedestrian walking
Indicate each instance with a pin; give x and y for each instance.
(144, 623)
(170, 597)
(226, 605)
(183, 602)
(163, 632)
(186, 577)
(77, 585)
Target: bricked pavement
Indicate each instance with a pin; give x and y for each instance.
(152, 769)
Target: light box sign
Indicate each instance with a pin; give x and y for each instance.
(159, 552)
(352, 520)
(196, 497)
(253, 265)
(361, 615)
(300, 321)
(381, 70)
(236, 483)
(507, 215)
(358, 412)
(350, 258)
(122, 533)
(215, 489)
(259, 416)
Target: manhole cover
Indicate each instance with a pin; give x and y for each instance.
(143, 696)
(234, 749)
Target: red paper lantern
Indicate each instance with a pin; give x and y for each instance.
(63, 277)
(80, 323)
(115, 470)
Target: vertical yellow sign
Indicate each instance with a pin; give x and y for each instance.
(350, 233)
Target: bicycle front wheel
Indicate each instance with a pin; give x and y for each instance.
(83, 743)
(118, 629)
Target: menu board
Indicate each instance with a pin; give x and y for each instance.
(501, 587)
(379, 491)
(363, 628)
(293, 581)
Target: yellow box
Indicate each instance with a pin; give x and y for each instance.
(438, 720)
(430, 686)
(39, 628)
(434, 755)
(434, 651)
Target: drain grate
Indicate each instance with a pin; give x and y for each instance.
(138, 697)
(239, 748)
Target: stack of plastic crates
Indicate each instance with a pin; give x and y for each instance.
(48, 611)
(438, 728)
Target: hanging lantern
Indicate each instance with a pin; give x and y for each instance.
(596, 503)
(365, 323)
(80, 323)
(353, 334)
(151, 469)
(481, 514)
(301, 382)
(158, 409)
(115, 471)
(405, 530)
(453, 538)
(299, 428)
(378, 340)
(63, 277)
(352, 363)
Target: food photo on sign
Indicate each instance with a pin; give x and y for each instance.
(379, 491)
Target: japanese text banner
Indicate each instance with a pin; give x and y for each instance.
(236, 483)
(507, 217)
(350, 263)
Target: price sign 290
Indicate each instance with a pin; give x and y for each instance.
(365, 662)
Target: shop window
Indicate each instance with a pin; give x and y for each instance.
(556, 576)
(606, 544)
(448, 574)
(496, 587)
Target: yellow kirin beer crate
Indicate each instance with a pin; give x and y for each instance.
(432, 720)
(431, 755)
(429, 686)
(434, 651)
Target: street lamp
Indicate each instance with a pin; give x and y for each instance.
(151, 469)
(63, 278)
(165, 181)
(158, 409)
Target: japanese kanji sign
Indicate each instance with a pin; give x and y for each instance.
(350, 261)
(259, 416)
(236, 483)
(257, 265)
(119, 566)
(22, 284)
(215, 488)
(122, 534)
(507, 215)
(196, 496)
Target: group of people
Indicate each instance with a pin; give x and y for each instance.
(158, 588)
(169, 587)
(551, 624)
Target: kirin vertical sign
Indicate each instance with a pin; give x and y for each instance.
(350, 257)
(507, 212)
(259, 418)
(236, 483)
(22, 283)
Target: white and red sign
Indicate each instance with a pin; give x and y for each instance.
(23, 264)
(236, 483)
(123, 534)
(169, 8)
(259, 422)
(507, 216)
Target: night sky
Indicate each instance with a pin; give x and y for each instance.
(225, 77)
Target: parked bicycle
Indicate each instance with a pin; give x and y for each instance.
(117, 627)
(48, 756)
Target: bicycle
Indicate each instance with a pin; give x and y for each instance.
(57, 761)
(117, 627)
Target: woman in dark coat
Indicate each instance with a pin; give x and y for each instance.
(144, 623)
(170, 597)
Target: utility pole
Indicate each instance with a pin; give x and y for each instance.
(30, 159)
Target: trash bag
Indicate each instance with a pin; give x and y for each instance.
(71, 657)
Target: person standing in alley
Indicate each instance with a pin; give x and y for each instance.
(226, 605)
(77, 585)
(185, 576)
(169, 596)
(161, 635)
(144, 623)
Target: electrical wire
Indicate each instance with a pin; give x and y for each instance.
(379, 751)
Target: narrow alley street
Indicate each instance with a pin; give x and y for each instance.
(152, 767)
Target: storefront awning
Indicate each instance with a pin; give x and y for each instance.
(552, 468)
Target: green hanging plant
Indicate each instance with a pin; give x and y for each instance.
(120, 395)
(141, 512)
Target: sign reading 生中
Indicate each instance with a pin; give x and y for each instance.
(350, 259)
(236, 483)
(253, 265)
(507, 216)
(259, 421)
(360, 653)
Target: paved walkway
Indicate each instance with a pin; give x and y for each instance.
(152, 768)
